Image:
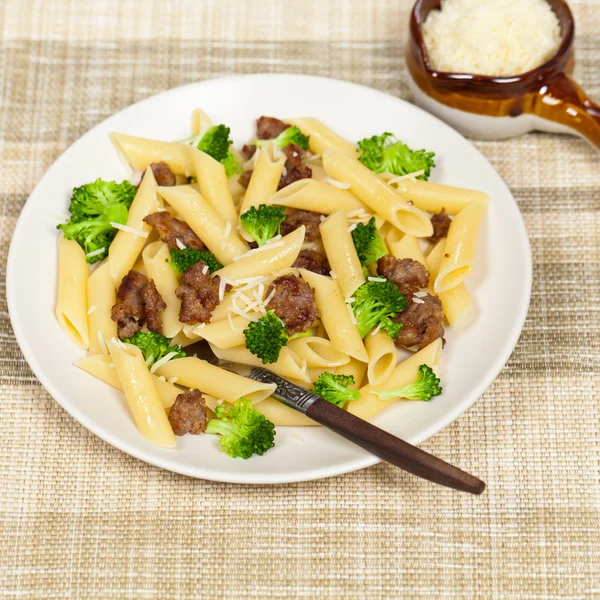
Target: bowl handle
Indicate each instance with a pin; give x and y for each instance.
(563, 102)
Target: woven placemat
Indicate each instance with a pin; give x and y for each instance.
(79, 519)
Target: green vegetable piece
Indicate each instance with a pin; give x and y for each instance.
(335, 388)
(291, 135)
(425, 387)
(154, 346)
(216, 143)
(264, 222)
(182, 260)
(94, 206)
(376, 304)
(369, 245)
(243, 430)
(386, 154)
(266, 337)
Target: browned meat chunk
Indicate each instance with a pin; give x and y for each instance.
(294, 303)
(268, 128)
(408, 275)
(295, 218)
(199, 294)
(248, 150)
(244, 178)
(138, 300)
(312, 261)
(188, 413)
(153, 305)
(163, 175)
(422, 322)
(441, 223)
(295, 168)
(171, 229)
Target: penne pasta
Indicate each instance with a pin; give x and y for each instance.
(288, 364)
(341, 253)
(267, 259)
(101, 298)
(218, 235)
(357, 369)
(318, 352)
(404, 373)
(404, 246)
(201, 122)
(317, 196)
(200, 375)
(141, 394)
(321, 138)
(383, 357)
(142, 152)
(376, 194)
(102, 367)
(283, 416)
(459, 252)
(71, 301)
(434, 258)
(335, 316)
(226, 333)
(126, 247)
(157, 262)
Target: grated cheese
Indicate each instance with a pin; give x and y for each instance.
(95, 252)
(332, 275)
(259, 249)
(204, 269)
(226, 233)
(495, 37)
(92, 309)
(102, 342)
(132, 230)
(172, 381)
(379, 279)
(180, 244)
(399, 178)
(352, 317)
(165, 359)
(342, 185)
(352, 227)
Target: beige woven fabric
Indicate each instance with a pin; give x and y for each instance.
(79, 519)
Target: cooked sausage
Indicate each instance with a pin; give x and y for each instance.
(408, 275)
(295, 218)
(312, 261)
(295, 168)
(422, 322)
(441, 223)
(244, 178)
(188, 413)
(153, 305)
(170, 230)
(163, 174)
(294, 303)
(268, 128)
(248, 150)
(199, 294)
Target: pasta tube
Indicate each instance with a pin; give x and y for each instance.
(318, 352)
(321, 138)
(281, 415)
(101, 298)
(383, 357)
(404, 246)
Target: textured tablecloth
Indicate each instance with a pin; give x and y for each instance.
(80, 519)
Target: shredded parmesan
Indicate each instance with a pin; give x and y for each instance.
(165, 359)
(356, 213)
(352, 227)
(350, 300)
(132, 230)
(379, 279)
(91, 309)
(102, 342)
(226, 233)
(180, 244)
(332, 275)
(497, 37)
(259, 249)
(418, 301)
(222, 284)
(230, 319)
(205, 269)
(95, 252)
(376, 330)
(172, 381)
(400, 178)
(351, 312)
(162, 378)
(342, 185)
(420, 294)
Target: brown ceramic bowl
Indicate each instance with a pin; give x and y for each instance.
(545, 98)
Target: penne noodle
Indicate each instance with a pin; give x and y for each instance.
(318, 352)
(226, 333)
(357, 369)
(141, 394)
(126, 247)
(218, 235)
(321, 138)
(335, 315)
(214, 185)
(383, 357)
(267, 259)
(142, 152)
(404, 246)
(200, 375)
(157, 262)
(287, 365)
(101, 298)
(376, 194)
(341, 253)
(201, 123)
(99, 366)
(185, 337)
(283, 416)
(71, 301)
(308, 194)
(459, 252)
(404, 373)
(434, 258)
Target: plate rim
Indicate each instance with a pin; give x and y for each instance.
(363, 461)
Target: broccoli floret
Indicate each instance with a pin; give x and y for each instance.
(266, 337)
(375, 304)
(263, 223)
(368, 243)
(216, 142)
(291, 135)
(154, 346)
(243, 430)
(386, 154)
(182, 260)
(335, 388)
(425, 387)
(94, 206)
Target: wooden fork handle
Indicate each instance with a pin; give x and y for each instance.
(392, 449)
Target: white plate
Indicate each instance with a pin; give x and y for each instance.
(474, 353)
